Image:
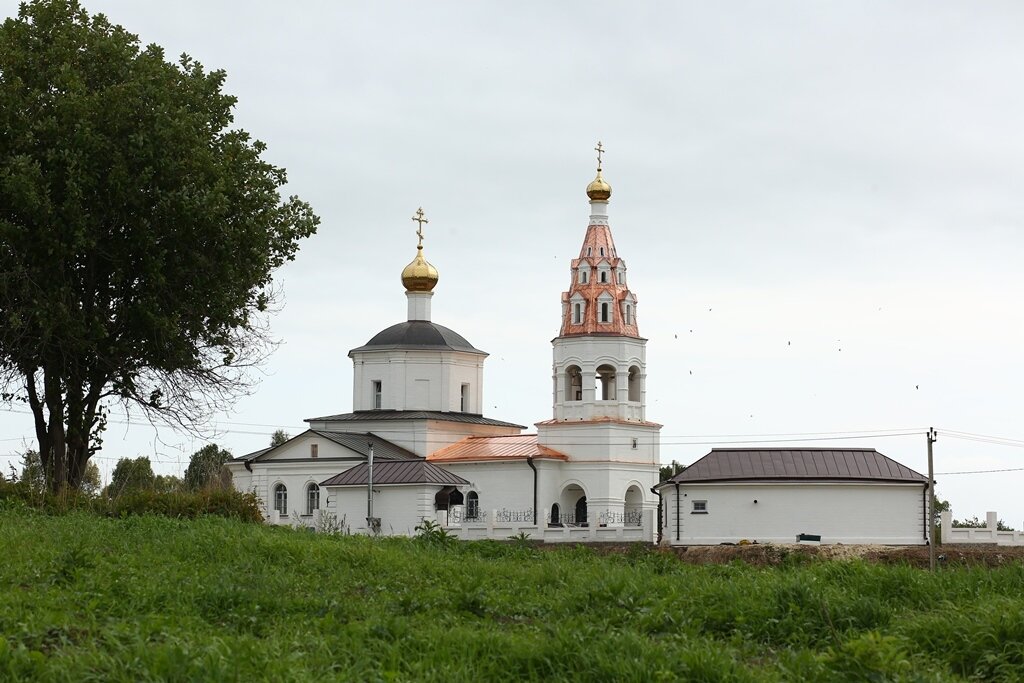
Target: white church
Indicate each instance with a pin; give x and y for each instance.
(417, 446)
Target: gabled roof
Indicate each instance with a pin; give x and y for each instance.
(396, 472)
(355, 441)
(796, 464)
(513, 447)
(371, 415)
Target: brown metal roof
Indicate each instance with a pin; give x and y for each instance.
(370, 415)
(802, 464)
(354, 441)
(396, 472)
(518, 446)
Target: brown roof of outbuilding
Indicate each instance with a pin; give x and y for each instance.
(396, 472)
(354, 441)
(511, 447)
(800, 464)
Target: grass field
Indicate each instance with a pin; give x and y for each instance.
(146, 598)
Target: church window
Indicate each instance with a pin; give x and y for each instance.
(602, 251)
(314, 450)
(464, 398)
(604, 276)
(281, 499)
(472, 506)
(376, 387)
(556, 517)
(312, 498)
(573, 383)
(589, 251)
(606, 313)
(605, 385)
(634, 384)
(577, 313)
(583, 275)
(627, 314)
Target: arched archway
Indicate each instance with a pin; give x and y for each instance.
(572, 502)
(633, 506)
(605, 383)
(573, 383)
(634, 383)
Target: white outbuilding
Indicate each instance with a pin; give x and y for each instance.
(848, 495)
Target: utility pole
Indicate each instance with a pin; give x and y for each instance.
(932, 437)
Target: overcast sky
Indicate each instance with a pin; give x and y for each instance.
(821, 206)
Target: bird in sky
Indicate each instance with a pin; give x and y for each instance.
(917, 386)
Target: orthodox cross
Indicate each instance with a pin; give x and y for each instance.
(419, 231)
(600, 150)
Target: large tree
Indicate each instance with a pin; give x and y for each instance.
(204, 467)
(138, 232)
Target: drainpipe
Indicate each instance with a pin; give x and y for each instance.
(529, 461)
(656, 491)
(369, 486)
(677, 510)
(248, 465)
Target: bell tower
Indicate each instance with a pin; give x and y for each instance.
(599, 356)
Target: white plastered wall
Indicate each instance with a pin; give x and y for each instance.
(401, 508)
(588, 353)
(403, 374)
(855, 512)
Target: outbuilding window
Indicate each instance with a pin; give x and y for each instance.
(700, 507)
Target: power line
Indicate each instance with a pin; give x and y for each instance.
(1010, 469)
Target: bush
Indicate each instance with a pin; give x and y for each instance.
(186, 505)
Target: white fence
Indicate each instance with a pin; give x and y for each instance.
(491, 526)
(986, 534)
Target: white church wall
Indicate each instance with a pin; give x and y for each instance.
(417, 380)
(401, 508)
(603, 441)
(503, 485)
(296, 477)
(839, 512)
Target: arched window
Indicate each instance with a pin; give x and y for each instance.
(627, 314)
(281, 499)
(573, 383)
(605, 385)
(472, 506)
(589, 251)
(634, 383)
(583, 275)
(577, 313)
(606, 312)
(602, 251)
(312, 498)
(555, 516)
(604, 276)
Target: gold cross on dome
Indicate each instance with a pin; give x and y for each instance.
(600, 150)
(421, 220)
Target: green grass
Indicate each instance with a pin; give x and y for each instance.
(85, 598)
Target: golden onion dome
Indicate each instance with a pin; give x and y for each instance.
(419, 276)
(599, 190)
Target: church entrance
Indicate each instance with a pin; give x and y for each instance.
(555, 519)
(581, 511)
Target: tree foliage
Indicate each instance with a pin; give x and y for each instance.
(666, 472)
(279, 437)
(204, 467)
(138, 233)
(131, 475)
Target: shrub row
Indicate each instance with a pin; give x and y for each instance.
(180, 504)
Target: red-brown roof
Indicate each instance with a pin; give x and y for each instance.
(513, 447)
(601, 418)
(802, 464)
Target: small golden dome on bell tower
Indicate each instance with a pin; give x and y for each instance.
(598, 189)
(419, 276)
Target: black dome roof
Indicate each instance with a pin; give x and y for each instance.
(418, 334)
